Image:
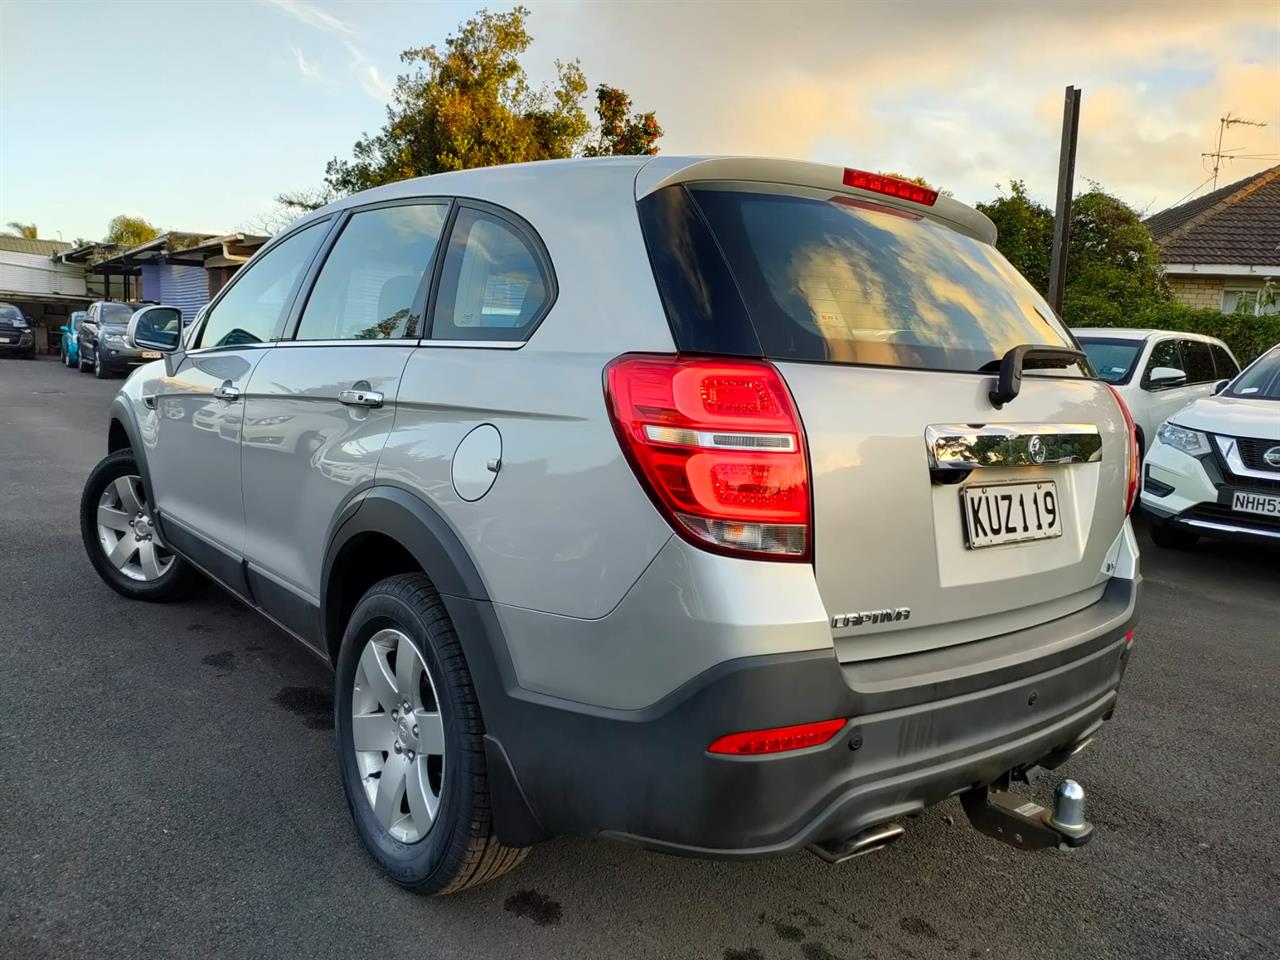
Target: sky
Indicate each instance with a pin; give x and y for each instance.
(195, 114)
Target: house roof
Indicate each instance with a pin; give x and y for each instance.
(1235, 224)
(41, 248)
(129, 261)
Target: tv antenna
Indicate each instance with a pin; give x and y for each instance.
(1217, 155)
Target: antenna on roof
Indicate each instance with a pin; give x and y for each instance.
(1218, 155)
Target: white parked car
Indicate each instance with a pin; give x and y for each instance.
(1157, 372)
(1214, 468)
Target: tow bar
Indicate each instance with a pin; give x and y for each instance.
(1003, 815)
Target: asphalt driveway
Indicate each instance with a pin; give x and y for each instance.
(168, 788)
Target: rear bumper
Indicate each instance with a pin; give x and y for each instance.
(921, 728)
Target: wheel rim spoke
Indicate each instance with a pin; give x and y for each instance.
(391, 787)
(430, 733)
(148, 560)
(377, 672)
(124, 549)
(129, 500)
(373, 731)
(408, 669)
(113, 519)
(422, 802)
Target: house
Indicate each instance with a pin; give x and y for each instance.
(37, 282)
(1220, 250)
(181, 269)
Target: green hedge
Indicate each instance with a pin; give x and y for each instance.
(1247, 336)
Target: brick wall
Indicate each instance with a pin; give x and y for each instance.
(1197, 291)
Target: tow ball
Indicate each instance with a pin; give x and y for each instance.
(1003, 815)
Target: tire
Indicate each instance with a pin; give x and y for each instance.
(100, 371)
(167, 575)
(80, 362)
(1170, 537)
(66, 359)
(455, 847)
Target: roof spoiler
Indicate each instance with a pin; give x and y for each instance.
(665, 171)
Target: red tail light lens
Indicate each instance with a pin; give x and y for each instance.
(1132, 492)
(777, 739)
(719, 447)
(890, 186)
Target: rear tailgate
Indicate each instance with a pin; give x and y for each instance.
(894, 568)
(888, 322)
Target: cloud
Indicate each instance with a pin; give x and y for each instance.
(307, 68)
(966, 95)
(313, 16)
(371, 80)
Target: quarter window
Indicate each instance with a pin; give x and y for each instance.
(369, 283)
(493, 286)
(251, 309)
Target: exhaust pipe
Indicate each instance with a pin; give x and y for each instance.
(868, 841)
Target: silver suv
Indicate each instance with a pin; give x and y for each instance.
(701, 503)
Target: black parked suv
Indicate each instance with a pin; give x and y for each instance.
(15, 332)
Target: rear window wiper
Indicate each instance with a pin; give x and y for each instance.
(1009, 380)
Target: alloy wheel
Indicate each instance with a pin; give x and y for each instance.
(398, 735)
(127, 532)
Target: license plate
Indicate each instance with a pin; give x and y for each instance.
(6, 340)
(1010, 513)
(151, 354)
(1262, 503)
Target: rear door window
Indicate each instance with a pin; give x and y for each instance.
(839, 279)
(1198, 360)
(1224, 367)
(369, 284)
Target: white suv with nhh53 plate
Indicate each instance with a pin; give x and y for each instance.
(725, 506)
(1214, 469)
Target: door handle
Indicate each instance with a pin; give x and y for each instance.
(361, 398)
(226, 391)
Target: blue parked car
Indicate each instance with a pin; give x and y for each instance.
(71, 339)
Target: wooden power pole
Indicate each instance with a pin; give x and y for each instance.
(1062, 212)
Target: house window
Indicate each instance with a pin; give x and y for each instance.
(1255, 300)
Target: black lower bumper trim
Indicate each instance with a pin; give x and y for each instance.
(645, 776)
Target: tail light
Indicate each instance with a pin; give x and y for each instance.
(719, 447)
(1132, 448)
(777, 739)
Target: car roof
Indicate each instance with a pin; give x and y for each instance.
(1133, 333)
(641, 175)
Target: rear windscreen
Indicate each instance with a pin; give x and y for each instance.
(839, 279)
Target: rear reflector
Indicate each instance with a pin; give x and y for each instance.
(1128, 639)
(718, 446)
(777, 739)
(890, 186)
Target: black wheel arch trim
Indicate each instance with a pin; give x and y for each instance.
(403, 516)
(123, 414)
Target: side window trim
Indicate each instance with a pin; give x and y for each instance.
(532, 239)
(293, 321)
(290, 298)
